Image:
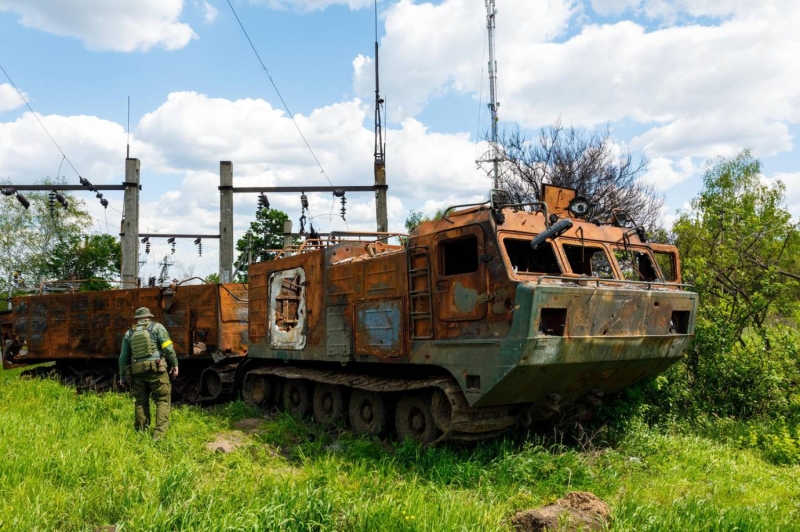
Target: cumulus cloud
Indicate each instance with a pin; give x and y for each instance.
(664, 173)
(209, 12)
(102, 25)
(722, 81)
(181, 142)
(9, 98)
(432, 49)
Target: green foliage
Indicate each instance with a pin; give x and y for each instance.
(261, 241)
(27, 237)
(417, 217)
(740, 249)
(94, 257)
(212, 278)
(739, 246)
(73, 463)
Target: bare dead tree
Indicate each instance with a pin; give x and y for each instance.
(585, 161)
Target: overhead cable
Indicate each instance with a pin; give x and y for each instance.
(322, 170)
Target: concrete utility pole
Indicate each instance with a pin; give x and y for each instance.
(225, 221)
(130, 225)
(287, 235)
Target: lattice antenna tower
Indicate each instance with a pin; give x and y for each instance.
(491, 11)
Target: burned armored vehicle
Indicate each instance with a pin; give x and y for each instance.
(490, 318)
(81, 333)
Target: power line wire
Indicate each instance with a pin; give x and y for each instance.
(274, 86)
(36, 116)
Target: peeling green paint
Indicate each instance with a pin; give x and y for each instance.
(465, 298)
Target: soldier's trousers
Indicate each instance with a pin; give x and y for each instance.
(156, 385)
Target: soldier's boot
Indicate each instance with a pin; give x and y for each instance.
(161, 396)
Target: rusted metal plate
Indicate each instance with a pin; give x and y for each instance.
(460, 280)
(557, 198)
(379, 327)
(339, 323)
(92, 324)
(233, 300)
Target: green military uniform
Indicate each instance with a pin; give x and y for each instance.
(141, 362)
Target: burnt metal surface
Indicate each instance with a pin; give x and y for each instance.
(90, 325)
(468, 295)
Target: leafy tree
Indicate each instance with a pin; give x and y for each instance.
(27, 237)
(416, 217)
(212, 278)
(587, 162)
(89, 257)
(739, 246)
(261, 241)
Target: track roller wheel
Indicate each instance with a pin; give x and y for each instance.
(257, 390)
(297, 397)
(368, 412)
(330, 404)
(414, 420)
(441, 409)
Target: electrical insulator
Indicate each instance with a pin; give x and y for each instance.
(23, 200)
(8, 191)
(304, 201)
(263, 202)
(146, 242)
(104, 203)
(84, 181)
(344, 209)
(61, 200)
(51, 202)
(99, 195)
(199, 242)
(171, 241)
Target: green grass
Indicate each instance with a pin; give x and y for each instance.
(74, 462)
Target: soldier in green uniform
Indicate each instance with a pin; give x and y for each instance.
(142, 366)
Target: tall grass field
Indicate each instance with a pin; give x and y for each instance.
(71, 462)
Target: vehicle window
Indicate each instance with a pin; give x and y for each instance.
(588, 260)
(666, 263)
(525, 259)
(635, 265)
(459, 255)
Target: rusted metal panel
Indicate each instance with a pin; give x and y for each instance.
(339, 323)
(92, 324)
(379, 327)
(257, 306)
(557, 198)
(233, 300)
(460, 281)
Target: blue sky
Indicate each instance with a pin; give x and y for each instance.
(681, 81)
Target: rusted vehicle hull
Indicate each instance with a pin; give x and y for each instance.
(82, 332)
(451, 338)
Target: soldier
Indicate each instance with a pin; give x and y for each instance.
(142, 365)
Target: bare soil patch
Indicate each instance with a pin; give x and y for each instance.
(579, 510)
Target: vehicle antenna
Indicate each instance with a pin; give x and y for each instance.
(493, 103)
(380, 148)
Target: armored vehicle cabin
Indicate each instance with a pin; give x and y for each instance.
(483, 320)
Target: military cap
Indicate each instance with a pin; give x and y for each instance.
(142, 312)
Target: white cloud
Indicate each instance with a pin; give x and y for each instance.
(704, 88)
(432, 49)
(664, 173)
(104, 25)
(9, 98)
(209, 12)
(181, 142)
(792, 182)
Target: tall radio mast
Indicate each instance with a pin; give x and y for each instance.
(493, 103)
(380, 148)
